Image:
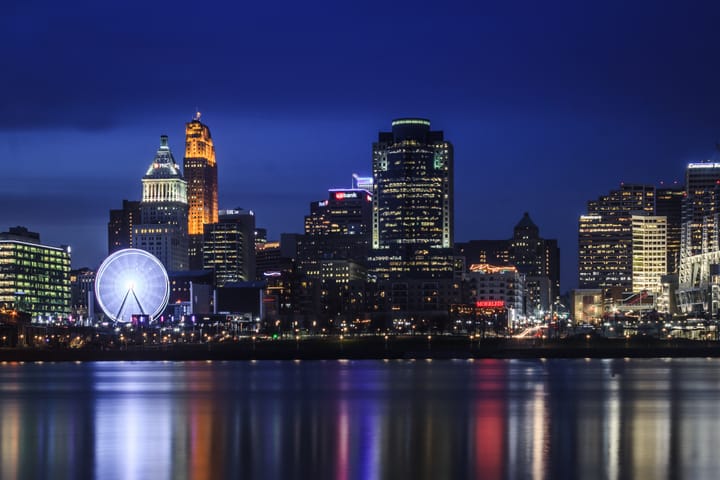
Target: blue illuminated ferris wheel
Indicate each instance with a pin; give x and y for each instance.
(130, 282)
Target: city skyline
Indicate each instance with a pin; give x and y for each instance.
(547, 106)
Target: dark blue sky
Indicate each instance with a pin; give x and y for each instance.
(548, 104)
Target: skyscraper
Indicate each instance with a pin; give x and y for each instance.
(699, 274)
(200, 172)
(337, 229)
(229, 247)
(413, 200)
(163, 211)
(412, 223)
(649, 252)
(539, 260)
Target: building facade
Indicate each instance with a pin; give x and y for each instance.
(120, 226)
(200, 170)
(538, 259)
(605, 237)
(668, 204)
(649, 253)
(229, 247)
(699, 272)
(164, 211)
(34, 278)
(412, 254)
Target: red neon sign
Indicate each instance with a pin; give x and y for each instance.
(490, 303)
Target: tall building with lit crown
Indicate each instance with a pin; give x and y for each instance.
(412, 219)
(34, 278)
(200, 171)
(164, 211)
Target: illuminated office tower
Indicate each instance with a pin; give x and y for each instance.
(605, 237)
(200, 172)
(649, 252)
(412, 222)
(163, 211)
(34, 278)
(337, 230)
(699, 208)
(229, 247)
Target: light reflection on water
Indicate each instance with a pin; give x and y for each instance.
(492, 419)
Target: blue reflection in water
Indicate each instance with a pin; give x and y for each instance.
(493, 419)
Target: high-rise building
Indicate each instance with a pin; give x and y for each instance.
(200, 170)
(539, 260)
(229, 247)
(163, 211)
(649, 252)
(34, 278)
(337, 229)
(702, 184)
(412, 225)
(333, 252)
(120, 226)
(668, 204)
(605, 236)
(699, 274)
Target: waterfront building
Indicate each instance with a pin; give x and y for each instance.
(538, 259)
(229, 247)
(699, 275)
(649, 252)
(162, 230)
(120, 226)
(337, 229)
(412, 255)
(34, 278)
(605, 256)
(200, 170)
(497, 288)
(82, 293)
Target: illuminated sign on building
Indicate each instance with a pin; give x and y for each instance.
(490, 303)
(344, 195)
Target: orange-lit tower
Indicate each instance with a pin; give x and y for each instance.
(200, 172)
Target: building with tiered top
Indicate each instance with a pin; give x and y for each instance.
(163, 227)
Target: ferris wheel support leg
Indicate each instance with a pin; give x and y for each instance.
(117, 315)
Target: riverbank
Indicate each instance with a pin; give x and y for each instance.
(375, 347)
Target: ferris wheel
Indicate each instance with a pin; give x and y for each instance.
(129, 282)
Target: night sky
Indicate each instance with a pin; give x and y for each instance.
(548, 104)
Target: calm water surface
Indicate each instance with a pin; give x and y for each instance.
(490, 419)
